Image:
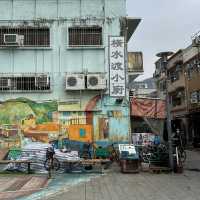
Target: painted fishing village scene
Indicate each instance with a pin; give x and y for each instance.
(99, 100)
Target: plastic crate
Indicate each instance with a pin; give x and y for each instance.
(14, 153)
(129, 166)
(102, 153)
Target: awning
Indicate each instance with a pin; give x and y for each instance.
(149, 108)
(130, 24)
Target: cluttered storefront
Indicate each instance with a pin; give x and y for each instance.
(147, 119)
(150, 137)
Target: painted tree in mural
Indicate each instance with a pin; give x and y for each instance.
(14, 111)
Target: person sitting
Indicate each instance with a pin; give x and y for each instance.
(86, 153)
(50, 152)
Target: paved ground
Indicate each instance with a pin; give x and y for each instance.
(142, 186)
(15, 186)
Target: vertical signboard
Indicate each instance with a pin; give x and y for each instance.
(117, 76)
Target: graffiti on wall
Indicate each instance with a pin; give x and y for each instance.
(22, 118)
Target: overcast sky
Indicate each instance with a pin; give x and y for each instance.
(166, 25)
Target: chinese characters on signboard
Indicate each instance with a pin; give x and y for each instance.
(117, 66)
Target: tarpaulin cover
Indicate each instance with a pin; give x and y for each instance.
(149, 108)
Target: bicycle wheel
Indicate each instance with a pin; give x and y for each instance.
(183, 156)
(56, 164)
(47, 164)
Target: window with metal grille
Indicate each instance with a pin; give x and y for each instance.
(31, 36)
(24, 83)
(85, 36)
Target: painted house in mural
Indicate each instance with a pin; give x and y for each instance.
(54, 70)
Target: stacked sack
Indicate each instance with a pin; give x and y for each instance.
(36, 152)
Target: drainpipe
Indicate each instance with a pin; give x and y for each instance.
(127, 81)
(187, 106)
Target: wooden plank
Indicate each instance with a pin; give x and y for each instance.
(15, 161)
(157, 169)
(89, 161)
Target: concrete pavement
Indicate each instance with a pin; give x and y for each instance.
(142, 186)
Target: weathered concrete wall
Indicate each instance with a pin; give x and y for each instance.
(58, 59)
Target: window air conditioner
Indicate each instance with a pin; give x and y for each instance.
(5, 82)
(13, 39)
(42, 81)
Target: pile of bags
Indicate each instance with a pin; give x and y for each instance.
(36, 152)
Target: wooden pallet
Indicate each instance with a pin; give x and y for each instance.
(158, 170)
(28, 162)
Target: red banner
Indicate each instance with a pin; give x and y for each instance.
(151, 108)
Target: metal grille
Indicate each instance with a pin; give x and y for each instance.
(24, 83)
(85, 36)
(32, 36)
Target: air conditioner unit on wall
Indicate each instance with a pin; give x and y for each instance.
(194, 97)
(75, 82)
(96, 81)
(13, 39)
(5, 82)
(42, 81)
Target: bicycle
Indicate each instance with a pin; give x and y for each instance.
(182, 154)
(114, 154)
(51, 162)
(154, 154)
(178, 143)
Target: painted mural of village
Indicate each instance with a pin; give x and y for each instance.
(38, 121)
(41, 122)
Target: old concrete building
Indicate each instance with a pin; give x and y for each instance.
(146, 88)
(160, 77)
(176, 86)
(180, 75)
(191, 59)
(54, 80)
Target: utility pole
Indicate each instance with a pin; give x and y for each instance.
(164, 56)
